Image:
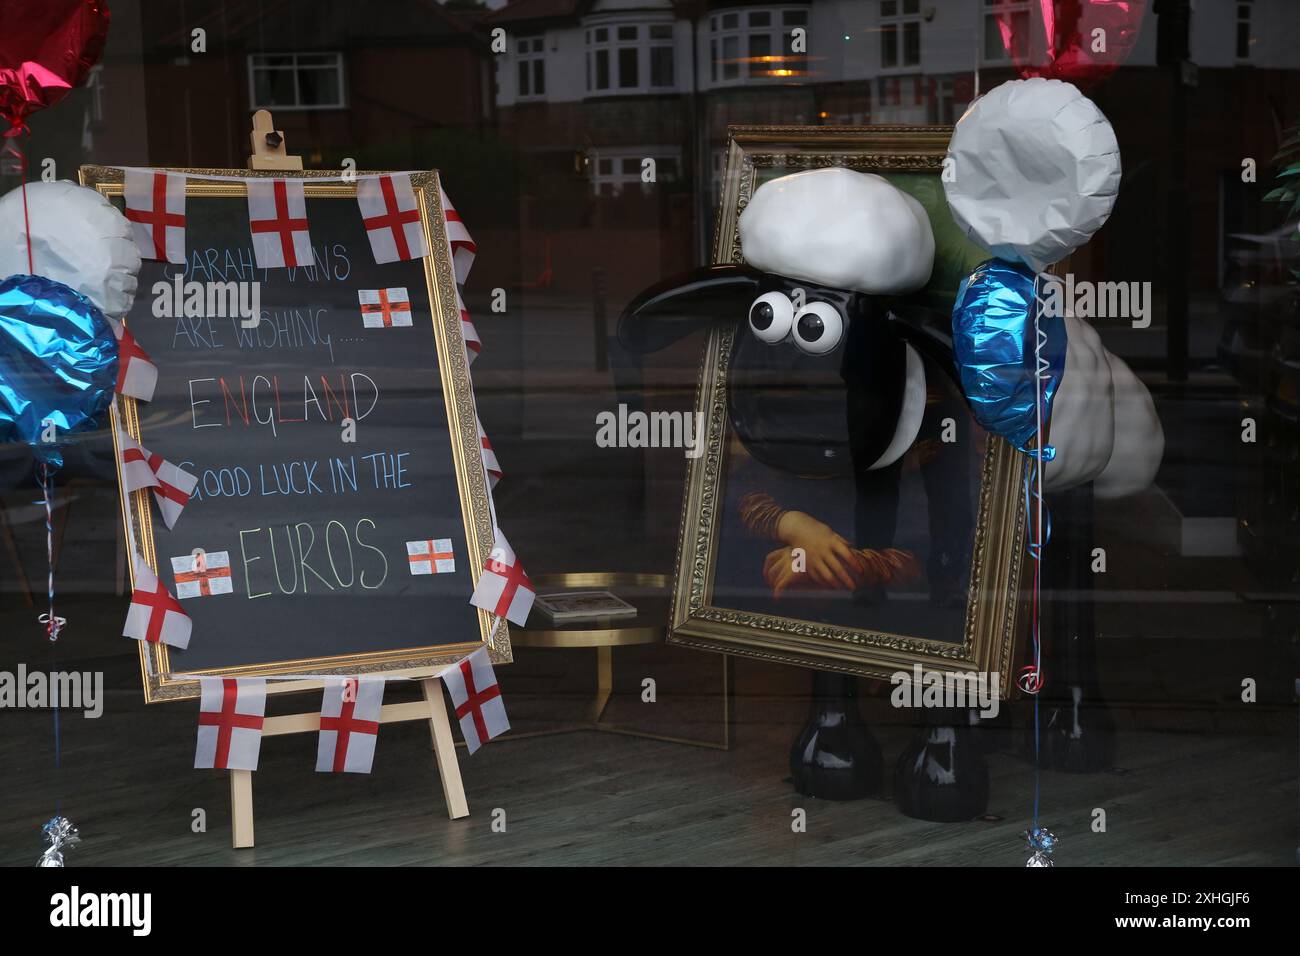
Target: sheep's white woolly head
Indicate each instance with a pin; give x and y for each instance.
(839, 228)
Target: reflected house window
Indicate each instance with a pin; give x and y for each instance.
(1006, 31)
(626, 57)
(530, 66)
(614, 170)
(755, 44)
(1244, 38)
(296, 81)
(900, 34)
(906, 99)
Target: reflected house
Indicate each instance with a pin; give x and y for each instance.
(547, 141)
(390, 84)
(363, 80)
(588, 90)
(600, 95)
(594, 97)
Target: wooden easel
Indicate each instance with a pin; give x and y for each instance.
(269, 150)
(269, 153)
(431, 708)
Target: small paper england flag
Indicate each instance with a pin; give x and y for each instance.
(384, 308)
(431, 557)
(202, 574)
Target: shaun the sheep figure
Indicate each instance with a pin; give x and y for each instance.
(838, 370)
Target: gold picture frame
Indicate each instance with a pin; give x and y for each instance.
(994, 611)
(161, 681)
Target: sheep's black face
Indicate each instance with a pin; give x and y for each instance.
(816, 379)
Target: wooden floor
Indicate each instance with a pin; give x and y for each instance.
(1186, 798)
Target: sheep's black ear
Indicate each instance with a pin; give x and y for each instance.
(927, 331)
(670, 310)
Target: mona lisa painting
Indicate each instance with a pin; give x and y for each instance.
(846, 513)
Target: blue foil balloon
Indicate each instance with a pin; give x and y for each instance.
(993, 337)
(58, 364)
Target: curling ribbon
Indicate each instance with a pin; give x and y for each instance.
(1031, 680)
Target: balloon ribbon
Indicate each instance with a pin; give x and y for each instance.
(11, 147)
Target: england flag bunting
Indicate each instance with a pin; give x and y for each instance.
(473, 344)
(476, 697)
(136, 473)
(232, 711)
(490, 463)
(277, 218)
(173, 490)
(463, 249)
(349, 725)
(171, 486)
(154, 615)
(391, 217)
(503, 588)
(155, 206)
(137, 376)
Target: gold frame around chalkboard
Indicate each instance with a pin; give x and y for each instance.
(995, 611)
(161, 682)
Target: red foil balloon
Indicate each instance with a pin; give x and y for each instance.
(46, 49)
(1080, 41)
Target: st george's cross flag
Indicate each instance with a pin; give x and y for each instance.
(473, 344)
(232, 711)
(155, 616)
(391, 217)
(476, 697)
(432, 556)
(136, 473)
(490, 463)
(171, 485)
(155, 206)
(277, 218)
(349, 725)
(384, 308)
(172, 493)
(463, 249)
(202, 574)
(137, 376)
(503, 588)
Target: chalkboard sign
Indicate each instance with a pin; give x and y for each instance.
(341, 516)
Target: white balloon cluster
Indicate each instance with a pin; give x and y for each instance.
(78, 238)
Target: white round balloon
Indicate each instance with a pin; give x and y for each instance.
(1035, 170)
(78, 238)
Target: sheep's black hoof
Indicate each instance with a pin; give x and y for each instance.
(942, 775)
(835, 756)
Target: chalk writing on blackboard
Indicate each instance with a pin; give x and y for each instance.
(322, 434)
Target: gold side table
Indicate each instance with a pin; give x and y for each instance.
(649, 626)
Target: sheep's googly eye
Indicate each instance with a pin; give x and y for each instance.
(770, 317)
(818, 328)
